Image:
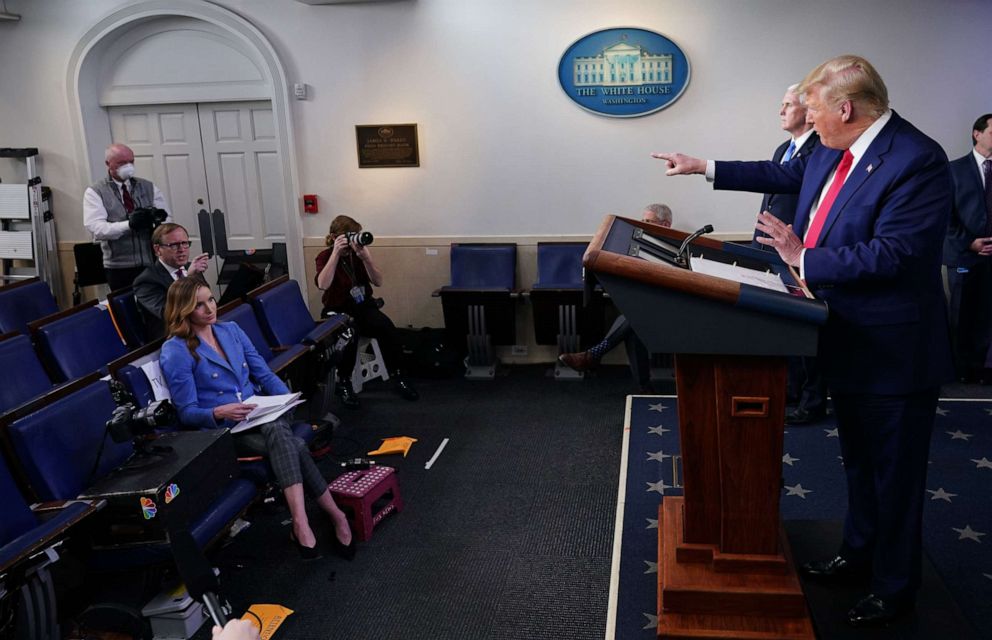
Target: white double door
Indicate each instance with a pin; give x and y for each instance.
(211, 156)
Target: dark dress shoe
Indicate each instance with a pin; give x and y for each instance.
(307, 553)
(581, 361)
(403, 388)
(348, 396)
(802, 416)
(874, 610)
(836, 570)
(346, 551)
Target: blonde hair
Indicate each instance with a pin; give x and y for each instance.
(849, 77)
(341, 224)
(180, 302)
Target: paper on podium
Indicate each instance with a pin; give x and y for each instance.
(268, 409)
(763, 279)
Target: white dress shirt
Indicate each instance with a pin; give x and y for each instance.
(980, 159)
(95, 215)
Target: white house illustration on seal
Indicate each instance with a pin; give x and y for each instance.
(622, 64)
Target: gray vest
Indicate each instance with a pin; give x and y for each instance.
(133, 249)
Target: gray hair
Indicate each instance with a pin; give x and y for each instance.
(661, 211)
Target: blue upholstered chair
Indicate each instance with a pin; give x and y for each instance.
(561, 315)
(244, 315)
(22, 378)
(127, 318)
(479, 304)
(24, 301)
(25, 533)
(77, 342)
(62, 447)
(284, 317)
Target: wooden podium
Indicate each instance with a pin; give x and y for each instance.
(724, 567)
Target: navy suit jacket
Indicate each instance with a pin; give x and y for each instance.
(968, 218)
(197, 386)
(877, 260)
(783, 205)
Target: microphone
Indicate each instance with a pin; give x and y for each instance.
(201, 583)
(682, 257)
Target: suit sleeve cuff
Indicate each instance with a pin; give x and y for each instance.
(710, 170)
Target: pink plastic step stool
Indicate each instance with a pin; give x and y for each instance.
(360, 490)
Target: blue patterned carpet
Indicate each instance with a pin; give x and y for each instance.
(957, 519)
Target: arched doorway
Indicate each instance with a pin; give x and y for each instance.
(158, 74)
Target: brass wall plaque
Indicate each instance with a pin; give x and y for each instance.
(387, 145)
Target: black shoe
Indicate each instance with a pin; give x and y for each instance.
(348, 396)
(802, 416)
(836, 570)
(403, 388)
(307, 553)
(875, 610)
(346, 551)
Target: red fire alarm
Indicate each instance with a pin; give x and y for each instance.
(310, 203)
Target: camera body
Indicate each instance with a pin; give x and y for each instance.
(363, 238)
(147, 217)
(128, 422)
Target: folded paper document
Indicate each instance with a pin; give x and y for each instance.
(399, 444)
(267, 409)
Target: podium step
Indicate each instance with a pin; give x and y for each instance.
(697, 601)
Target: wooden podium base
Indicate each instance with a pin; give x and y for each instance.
(748, 598)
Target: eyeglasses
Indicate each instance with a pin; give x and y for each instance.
(176, 246)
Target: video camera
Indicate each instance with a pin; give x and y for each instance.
(128, 422)
(363, 238)
(146, 218)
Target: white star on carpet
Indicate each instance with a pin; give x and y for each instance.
(652, 621)
(989, 411)
(968, 533)
(659, 430)
(659, 486)
(797, 490)
(658, 455)
(652, 567)
(652, 523)
(942, 412)
(656, 407)
(831, 433)
(988, 575)
(984, 463)
(958, 435)
(940, 494)
(787, 459)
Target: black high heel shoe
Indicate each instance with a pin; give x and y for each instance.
(346, 551)
(307, 553)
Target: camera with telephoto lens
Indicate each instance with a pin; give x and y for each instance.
(363, 238)
(128, 422)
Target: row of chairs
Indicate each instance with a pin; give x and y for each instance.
(480, 303)
(56, 444)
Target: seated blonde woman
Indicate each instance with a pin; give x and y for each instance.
(210, 369)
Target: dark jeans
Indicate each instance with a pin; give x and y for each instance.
(370, 322)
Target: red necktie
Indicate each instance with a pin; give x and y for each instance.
(126, 198)
(822, 212)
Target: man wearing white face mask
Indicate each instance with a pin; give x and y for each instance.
(117, 211)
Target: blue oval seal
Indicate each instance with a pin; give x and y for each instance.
(623, 72)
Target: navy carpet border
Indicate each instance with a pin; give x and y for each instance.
(957, 518)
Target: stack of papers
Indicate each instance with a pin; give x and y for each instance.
(268, 409)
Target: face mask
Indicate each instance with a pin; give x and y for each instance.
(125, 171)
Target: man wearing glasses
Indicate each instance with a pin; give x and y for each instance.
(171, 245)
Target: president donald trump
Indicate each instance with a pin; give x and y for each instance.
(874, 201)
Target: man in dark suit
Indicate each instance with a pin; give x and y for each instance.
(171, 245)
(807, 387)
(873, 206)
(968, 256)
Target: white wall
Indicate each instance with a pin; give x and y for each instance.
(503, 150)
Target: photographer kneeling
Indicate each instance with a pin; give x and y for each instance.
(346, 273)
